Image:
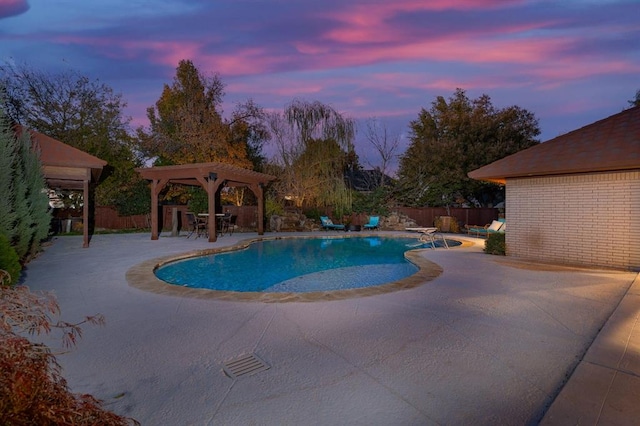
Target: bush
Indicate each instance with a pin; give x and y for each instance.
(495, 244)
(35, 393)
(198, 201)
(33, 389)
(9, 260)
(454, 227)
(374, 203)
(314, 213)
(273, 207)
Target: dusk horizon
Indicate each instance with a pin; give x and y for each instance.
(569, 63)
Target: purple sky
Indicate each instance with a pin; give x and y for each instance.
(570, 62)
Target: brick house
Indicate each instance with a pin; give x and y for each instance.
(575, 199)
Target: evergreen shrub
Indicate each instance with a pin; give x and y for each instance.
(9, 259)
(495, 244)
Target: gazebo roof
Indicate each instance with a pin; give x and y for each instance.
(607, 145)
(64, 166)
(196, 174)
(211, 177)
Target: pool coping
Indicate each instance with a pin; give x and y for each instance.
(142, 276)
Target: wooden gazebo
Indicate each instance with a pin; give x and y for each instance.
(66, 167)
(210, 176)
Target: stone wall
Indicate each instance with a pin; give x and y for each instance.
(292, 221)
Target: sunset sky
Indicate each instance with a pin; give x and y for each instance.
(570, 62)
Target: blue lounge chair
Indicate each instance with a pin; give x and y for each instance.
(373, 222)
(327, 224)
(495, 226)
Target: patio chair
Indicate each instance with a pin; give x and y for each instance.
(327, 224)
(227, 223)
(196, 225)
(491, 228)
(373, 223)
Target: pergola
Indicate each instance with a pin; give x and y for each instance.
(66, 167)
(210, 176)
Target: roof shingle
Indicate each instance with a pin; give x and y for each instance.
(56, 153)
(607, 145)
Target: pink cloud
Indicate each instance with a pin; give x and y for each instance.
(239, 62)
(161, 52)
(457, 49)
(246, 61)
(10, 8)
(278, 87)
(560, 71)
(369, 23)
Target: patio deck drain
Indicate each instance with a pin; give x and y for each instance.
(245, 365)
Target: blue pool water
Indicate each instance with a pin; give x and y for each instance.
(297, 265)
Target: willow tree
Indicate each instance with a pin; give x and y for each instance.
(314, 143)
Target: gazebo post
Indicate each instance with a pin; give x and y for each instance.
(85, 213)
(257, 189)
(154, 209)
(211, 197)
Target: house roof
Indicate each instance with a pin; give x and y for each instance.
(610, 144)
(63, 165)
(365, 180)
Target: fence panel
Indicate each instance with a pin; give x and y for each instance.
(426, 216)
(107, 217)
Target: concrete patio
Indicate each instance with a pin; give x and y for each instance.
(490, 341)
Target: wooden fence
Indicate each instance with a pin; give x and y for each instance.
(246, 216)
(426, 216)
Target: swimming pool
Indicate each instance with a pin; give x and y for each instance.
(297, 265)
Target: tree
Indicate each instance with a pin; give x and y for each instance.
(32, 201)
(314, 146)
(8, 159)
(455, 137)
(25, 217)
(186, 124)
(80, 112)
(635, 101)
(385, 144)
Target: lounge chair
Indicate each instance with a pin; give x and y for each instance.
(491, 228)
(373, 223)
(327, 224)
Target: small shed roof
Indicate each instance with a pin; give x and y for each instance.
(64, 166)
(610, 144)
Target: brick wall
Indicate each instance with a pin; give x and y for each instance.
(587, 219)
